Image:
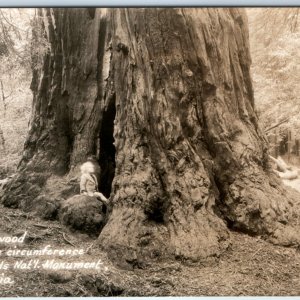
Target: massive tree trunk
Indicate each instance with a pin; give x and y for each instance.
(164, 97)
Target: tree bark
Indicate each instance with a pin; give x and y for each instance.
(173, 86)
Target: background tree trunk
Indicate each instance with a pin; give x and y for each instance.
(164, 97)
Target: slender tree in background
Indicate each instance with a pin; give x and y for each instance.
(275, 42)
(166, 96)
(15, 76)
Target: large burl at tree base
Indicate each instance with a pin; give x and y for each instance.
(165, 96)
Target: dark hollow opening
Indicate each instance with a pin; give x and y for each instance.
(155, 211)
(156, 215)
(107, 149)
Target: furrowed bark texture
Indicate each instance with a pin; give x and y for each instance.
(190, 157)
(66, 106)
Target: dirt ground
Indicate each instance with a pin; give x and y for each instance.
(250, 267)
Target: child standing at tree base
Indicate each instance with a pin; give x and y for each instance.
(88, 180)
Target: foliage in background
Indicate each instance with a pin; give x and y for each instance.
(15, 78)
(275, 44)
(274, 40)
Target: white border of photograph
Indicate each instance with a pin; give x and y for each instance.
(160, 3)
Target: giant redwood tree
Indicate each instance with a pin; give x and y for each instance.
(164, 98)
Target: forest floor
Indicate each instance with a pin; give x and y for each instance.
(251, 266)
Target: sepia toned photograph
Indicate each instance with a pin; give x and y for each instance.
(149, 151)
